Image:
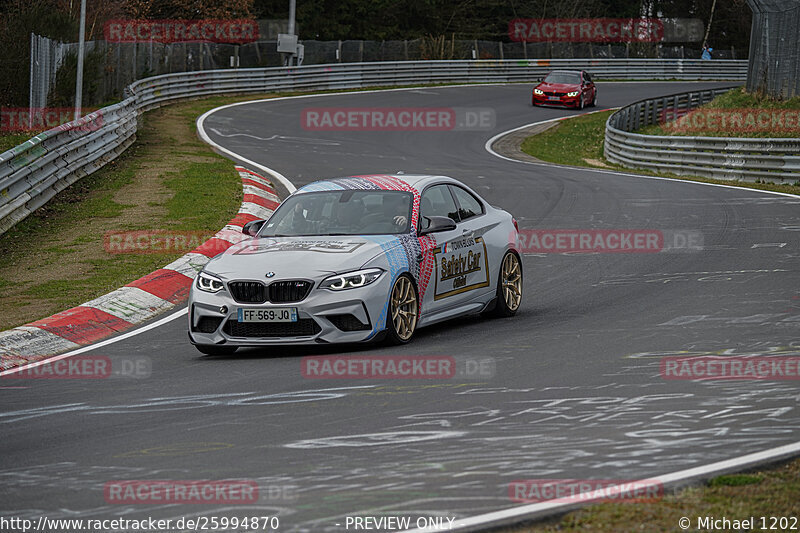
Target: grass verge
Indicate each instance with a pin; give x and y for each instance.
(56, 259)
(579, 142)
(765, 493)
(570, 142)
(742, 106)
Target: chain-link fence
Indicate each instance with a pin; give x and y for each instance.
(775, 48)
(46, 58)
(110, 67)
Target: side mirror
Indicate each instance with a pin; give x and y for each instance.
(253, 227)
(437, 224)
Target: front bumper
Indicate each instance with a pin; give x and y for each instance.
(319, 317)
(563, 101)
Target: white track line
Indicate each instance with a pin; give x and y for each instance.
(204, 136)
(100, 344)
(201, 131)
(488, 147)
(553, 507)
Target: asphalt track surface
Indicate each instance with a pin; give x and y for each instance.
(576, 390)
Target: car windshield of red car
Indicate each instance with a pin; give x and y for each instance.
(563, 77)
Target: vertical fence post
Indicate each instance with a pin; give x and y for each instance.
(118, 70)
(30, 82)
(675, 108)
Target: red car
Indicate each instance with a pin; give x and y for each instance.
(567, 88)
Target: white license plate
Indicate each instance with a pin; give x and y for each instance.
(273, 314)
(554, 98)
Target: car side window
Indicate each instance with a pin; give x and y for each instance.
(468, 205)
(437, 201)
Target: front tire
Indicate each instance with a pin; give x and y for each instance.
(401, 321)
(509, 286)
(213, 349)
(594, 99)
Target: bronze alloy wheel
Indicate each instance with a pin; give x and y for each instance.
(403, 309)
(511, 279)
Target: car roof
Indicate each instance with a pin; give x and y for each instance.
(377, 181)
(565, 71)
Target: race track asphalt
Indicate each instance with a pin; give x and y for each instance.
(575, 391)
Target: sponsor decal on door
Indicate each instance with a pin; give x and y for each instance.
(461, 265)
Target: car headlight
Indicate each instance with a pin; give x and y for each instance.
(351, 280)
(575, 93)
(538, 91)
(208, 283)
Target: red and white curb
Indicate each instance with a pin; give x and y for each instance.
(138, 301)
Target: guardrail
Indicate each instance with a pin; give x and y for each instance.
(728, 158)
(33, 172)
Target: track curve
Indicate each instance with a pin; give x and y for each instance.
(576, 391)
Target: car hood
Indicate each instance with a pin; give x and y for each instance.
(559, 87)
(298, 257)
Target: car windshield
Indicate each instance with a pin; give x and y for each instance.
(563, 77)
(348, 212)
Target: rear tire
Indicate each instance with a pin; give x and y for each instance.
(509, 286)
(213, 349)
(401, 320)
